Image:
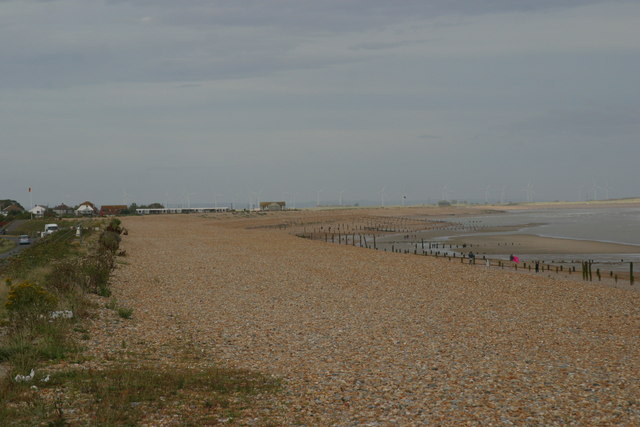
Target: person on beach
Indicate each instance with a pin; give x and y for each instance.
(537, 266)
(472, 258)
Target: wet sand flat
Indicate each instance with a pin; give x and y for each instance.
(530, 244)
(363, 337)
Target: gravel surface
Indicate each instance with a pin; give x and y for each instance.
(363, 337)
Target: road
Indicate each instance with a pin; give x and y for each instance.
(16, 249)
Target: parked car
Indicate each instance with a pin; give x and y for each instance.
(50, 229)
(24, 240)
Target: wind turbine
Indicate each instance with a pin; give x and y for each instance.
(502, 195)
(445, 195)
(382, 197)
(253, 200)
(189, 199)
(125, 197)
(530, 192)
(215, 200)
(594, 188)
(318, 197)
(486, 194)
(340, 193)
(292, 198)
(608, 188)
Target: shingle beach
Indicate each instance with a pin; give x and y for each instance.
(364, 337)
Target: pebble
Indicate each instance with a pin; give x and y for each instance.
(364, 337)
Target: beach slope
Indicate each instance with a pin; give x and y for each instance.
(362, 336)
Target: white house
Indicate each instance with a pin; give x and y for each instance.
(37, 210)
(11, 209)
(86, 208)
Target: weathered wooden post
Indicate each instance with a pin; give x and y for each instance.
(631, 278)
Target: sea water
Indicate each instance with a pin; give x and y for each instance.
(606, 224)
(601, 224)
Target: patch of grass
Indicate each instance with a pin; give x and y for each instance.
(125, 312)
(31, 336)
(122, 395)
(29, 344)
(112, 304)
(52, 248)
(33, 226)
(6, 245)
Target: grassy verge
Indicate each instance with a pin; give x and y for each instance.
(49, 278)
(121, 394)
(126, 395)
(33, 226)
(6, 245)
(36, 285)
(32, 263)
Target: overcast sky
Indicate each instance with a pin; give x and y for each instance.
(203, 100)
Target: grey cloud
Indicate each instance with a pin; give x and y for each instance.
(334, 15)
(585, 122)
(383, 45)
(197, 40)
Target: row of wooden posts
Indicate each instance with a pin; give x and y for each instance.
(431, 249)
(587, 272)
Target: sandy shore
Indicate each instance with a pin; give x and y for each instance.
(529, 244)
(363, 337)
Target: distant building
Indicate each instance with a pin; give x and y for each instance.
(112, 209)
(272, 206)
(158, 211)
(11, 209)
(62, 210)
(86, 209)
(38, 211)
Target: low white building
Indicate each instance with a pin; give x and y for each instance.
(86, 209)
(38, 210)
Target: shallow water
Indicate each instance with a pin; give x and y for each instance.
(607, 224)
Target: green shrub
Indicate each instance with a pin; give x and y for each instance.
(64, 275)
(26, 299)
(125, 312)
(112, 304)
(95, 272)
(109, 240)
(114, 226)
